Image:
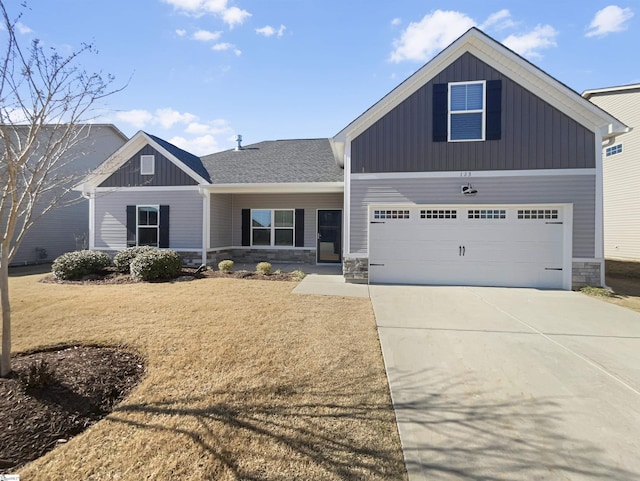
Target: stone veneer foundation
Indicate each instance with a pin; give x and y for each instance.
(295, 256)
(356, 270)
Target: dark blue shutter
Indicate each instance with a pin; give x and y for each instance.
(299, 234)
(440, 112)
(246, 227)
(163, 240)
(494, 110)
(131, 225)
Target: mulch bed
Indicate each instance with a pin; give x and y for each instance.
(111, 276)
(84, 385)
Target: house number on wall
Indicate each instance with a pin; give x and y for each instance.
(465, 174)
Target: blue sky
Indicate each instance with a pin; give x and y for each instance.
(200, 71)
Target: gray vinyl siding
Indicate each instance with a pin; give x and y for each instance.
(166, 173)
(578, 190)
(309, 202)
(535, 135)
(621, 177)
(220, 220)
(57, 230)
(185, 217)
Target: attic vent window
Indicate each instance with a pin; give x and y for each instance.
(147, 164)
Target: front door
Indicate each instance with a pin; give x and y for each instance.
(329, 247)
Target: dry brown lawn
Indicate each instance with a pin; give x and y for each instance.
(245, 380)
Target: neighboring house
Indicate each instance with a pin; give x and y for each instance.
(621, 176)
(479, 169)
(66, 228)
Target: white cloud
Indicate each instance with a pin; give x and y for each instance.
(269, 31)
(214, 127)
(232, 16)
(137, 118)
(396, 21)
(180, 32)
(608, 20)
(206, 35)
(499, 20)
(235, 16)
(22, 28)
(528, 44)
(168, 117)
(420, 40)
(224, 46)
(204, 145)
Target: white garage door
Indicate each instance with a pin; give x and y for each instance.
(516, 246)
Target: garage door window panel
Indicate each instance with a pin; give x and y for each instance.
(486, 214)
(391, 214)
(438, 214)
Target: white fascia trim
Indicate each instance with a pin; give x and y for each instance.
(609, 90)
(504, 60)
(598, 250)
(177, 162)
(472, 174)
(166, 188)
(92, 221)
(277, 188)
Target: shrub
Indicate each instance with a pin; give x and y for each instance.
(122, 259)
(264, 268)
(77, 264)
(39, 376)
(156, 264)
(298, 275)
(225, 266)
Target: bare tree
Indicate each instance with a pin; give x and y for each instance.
(46, 104)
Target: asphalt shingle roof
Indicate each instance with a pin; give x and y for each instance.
(275, 161)
(190, 160)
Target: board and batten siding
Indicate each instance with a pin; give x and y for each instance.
(621, 178)
(220, 220)
(309, 202)
(534, 134)
(185, 217)
(166, 173)
(578, 190)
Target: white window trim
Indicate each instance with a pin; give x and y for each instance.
(483, 111)
(273, 228)
(147, 161)
(138, 226)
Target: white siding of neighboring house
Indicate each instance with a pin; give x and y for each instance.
(621, 178)
(56, 232)
(309, 202)
(578, 190)
(185, 217)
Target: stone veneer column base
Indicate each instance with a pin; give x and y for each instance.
(356, 270)
(586, 273)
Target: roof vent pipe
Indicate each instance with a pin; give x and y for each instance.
(238, 142)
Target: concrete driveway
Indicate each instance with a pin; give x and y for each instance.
(512, 384)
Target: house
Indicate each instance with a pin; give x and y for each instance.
(621, 173)
(479, 169)
(65, 228)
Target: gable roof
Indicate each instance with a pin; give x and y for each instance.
(275, 162)
(187, 158)
(496, 55)
(185, 161)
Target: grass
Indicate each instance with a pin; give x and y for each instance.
(597, 291)
(244, 381)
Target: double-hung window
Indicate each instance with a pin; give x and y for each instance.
(272, 227)
(148, 225)
(466, 111)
